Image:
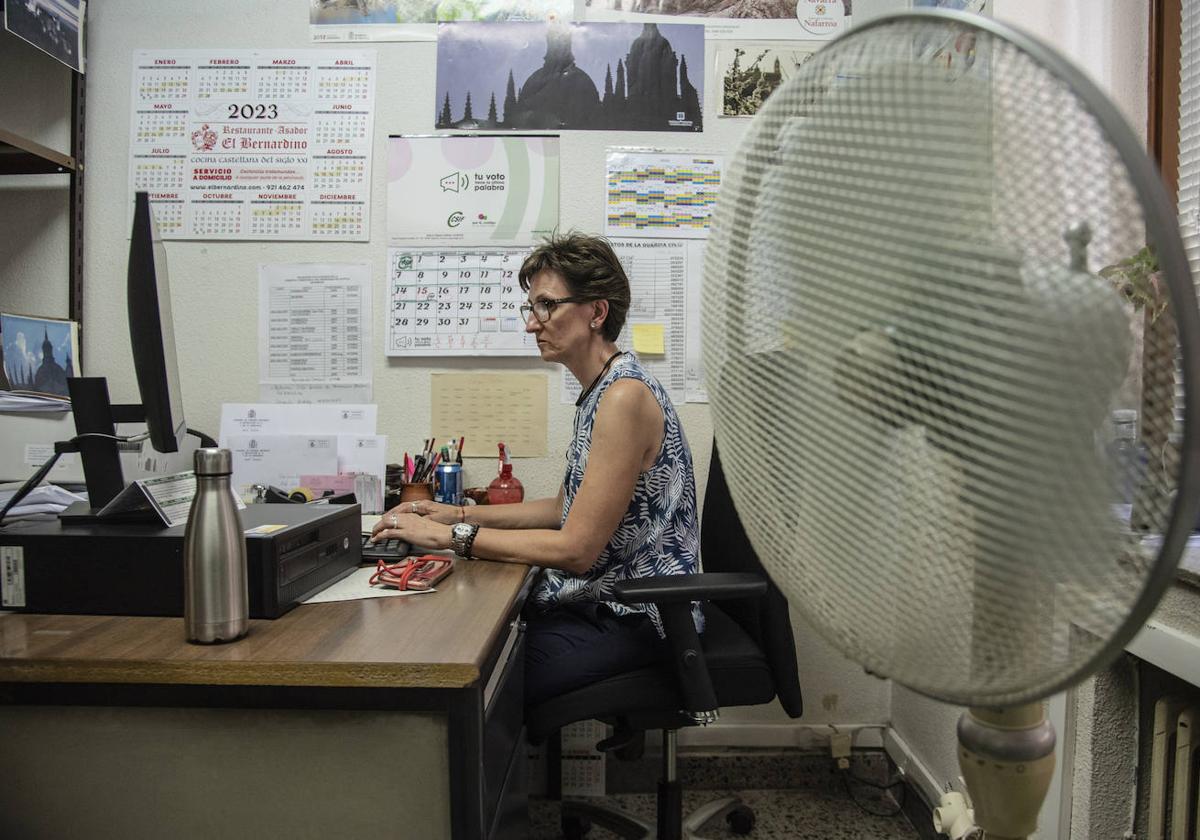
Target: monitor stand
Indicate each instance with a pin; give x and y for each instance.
(96, 415)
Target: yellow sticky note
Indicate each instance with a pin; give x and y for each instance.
(648, 338)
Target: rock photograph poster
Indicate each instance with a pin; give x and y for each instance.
(590, 76)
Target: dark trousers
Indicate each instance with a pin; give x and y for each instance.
(581, 643)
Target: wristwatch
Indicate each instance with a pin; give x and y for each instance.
(462, 535)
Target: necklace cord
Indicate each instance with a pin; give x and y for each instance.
(603, 371)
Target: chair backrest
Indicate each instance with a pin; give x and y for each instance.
(724, 547)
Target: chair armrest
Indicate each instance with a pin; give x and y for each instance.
(674, 595)
(668, 589)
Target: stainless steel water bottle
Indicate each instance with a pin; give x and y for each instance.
(216, 600)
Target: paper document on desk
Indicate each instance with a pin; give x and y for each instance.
(45, 498)
(356, 586)
(296, 419)
(280, 460)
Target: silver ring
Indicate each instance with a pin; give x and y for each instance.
(395, 520)
(414, 507)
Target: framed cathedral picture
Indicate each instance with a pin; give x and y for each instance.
(38, 354)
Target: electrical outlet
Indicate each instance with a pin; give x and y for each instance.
(839, 744)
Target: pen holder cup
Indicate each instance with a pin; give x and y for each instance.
(416, 491)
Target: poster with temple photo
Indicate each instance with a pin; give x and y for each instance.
(809, 20)
(589, 76)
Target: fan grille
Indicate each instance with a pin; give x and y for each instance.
(913, 361)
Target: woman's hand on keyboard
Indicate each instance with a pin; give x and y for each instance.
(438, 512)
(412, 528)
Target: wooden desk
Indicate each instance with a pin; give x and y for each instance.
(389, 717)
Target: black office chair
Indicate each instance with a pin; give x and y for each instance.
(745, 656)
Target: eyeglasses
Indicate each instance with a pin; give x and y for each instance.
(541, 309)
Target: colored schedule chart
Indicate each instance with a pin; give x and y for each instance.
(239, 144)
(456, 302)
(660, 194)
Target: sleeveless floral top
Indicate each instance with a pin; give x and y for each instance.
(658, 534)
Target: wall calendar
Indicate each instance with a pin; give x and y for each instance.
(456, 302)
(238, 144)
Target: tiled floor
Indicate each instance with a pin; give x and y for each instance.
(803, 814)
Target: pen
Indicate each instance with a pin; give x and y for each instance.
(461, 441)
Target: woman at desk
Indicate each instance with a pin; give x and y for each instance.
(627, 506)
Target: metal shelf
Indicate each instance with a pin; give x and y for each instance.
(20, 156)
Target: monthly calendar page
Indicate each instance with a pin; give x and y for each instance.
(240, 144)
(456, 302)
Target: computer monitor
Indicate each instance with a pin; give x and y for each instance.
(152, 331)
(152, 339)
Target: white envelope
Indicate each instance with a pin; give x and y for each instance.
(296, 419)
(280, 459)
(363, 454)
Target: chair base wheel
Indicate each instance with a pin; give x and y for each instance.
(575, 827)
(607, 817)
(740, 820)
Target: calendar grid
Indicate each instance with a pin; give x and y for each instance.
(456, 302)
(254, 144)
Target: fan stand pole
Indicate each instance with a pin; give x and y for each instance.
(1007, 759)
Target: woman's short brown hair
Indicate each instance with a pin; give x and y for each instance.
(590, 269)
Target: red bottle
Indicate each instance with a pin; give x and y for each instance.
(505, 489)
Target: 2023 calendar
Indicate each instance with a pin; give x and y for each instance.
(456, 302)
(241, 144)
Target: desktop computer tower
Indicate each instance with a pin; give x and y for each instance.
(292, 552)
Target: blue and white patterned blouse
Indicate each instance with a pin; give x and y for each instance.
(658, 534)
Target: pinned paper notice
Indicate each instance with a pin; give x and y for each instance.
(648, 338)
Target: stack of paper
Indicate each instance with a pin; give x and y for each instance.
(21, 401)
(274, 444)
(45, 498)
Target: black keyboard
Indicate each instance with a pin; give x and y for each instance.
(391, 550)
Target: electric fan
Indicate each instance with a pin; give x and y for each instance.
(903, 304)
